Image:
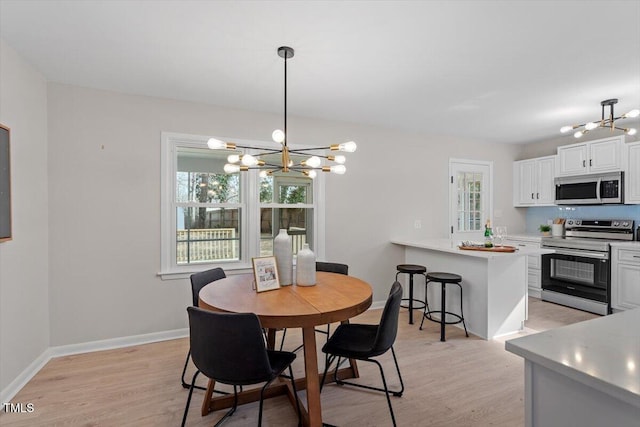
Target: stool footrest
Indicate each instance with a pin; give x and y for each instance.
(427, 315)
(421, 304)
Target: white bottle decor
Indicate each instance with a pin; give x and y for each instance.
(306, 267)
(284, 257)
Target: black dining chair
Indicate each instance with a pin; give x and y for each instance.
(363, 342)
(198, 281)
(328, 267)
(229, 348)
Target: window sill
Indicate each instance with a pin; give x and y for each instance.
(185, 274)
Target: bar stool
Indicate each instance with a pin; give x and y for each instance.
(412, 269)
(443, 279)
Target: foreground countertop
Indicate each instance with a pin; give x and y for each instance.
(451, 246)
(602, 353)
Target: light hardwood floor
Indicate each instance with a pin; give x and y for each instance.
(461, 382)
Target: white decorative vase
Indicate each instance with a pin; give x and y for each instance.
(306, 267)
(284, 257)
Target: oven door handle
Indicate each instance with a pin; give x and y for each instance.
(583, 254)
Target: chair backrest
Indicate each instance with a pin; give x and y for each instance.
(202, 279)
(228, 347)
(332, 267)
(388, 328)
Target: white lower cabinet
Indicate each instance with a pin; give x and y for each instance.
(625, 277)
(534, 274)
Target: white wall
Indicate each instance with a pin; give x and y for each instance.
(24, 276)
(104, 185)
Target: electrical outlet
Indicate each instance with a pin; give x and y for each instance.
(417, 224)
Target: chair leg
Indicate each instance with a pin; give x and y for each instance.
(232, 410)
(386, 391)
(262, 400)
(284, 334)
(184, 372)
(295, 393)
(328, 360)
(186, 408)
(397, 393)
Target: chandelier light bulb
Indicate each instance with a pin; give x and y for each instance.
(216, 144)
(631, 131)
(338, 169)
(278, 136)
(233, 158)
(591, 126)
(312, 174)
(340, 159)
(229, 168)
(578, 134)
(632, 113)
(249, 160)
(348, 147)
(263, 174)
(313, 161)
(565, 129)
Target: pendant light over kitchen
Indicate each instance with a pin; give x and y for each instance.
(262, 160)
(604, 122)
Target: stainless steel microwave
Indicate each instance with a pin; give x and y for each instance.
(595, 189)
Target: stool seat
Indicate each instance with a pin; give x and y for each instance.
(411, 268)
(437, 276)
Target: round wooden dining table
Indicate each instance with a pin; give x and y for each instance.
(334, 298)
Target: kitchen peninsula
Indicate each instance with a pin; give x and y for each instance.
(495, 284)
(585, 374)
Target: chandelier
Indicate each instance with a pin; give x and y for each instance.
(604, 122)
(289, 158)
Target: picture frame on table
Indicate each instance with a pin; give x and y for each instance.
(265, 273)
(5, 184)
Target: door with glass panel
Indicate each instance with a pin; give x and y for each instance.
(470, 198)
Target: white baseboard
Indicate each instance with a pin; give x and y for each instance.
(25, 376)
(30, 371)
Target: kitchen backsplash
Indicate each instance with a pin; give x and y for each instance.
(540, 215)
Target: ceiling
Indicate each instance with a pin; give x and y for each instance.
(510, 72)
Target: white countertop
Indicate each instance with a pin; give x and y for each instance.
(526, 237)
(451, 246)
(602, 353)
(632, 245)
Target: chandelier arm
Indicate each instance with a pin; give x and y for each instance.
(300, 150)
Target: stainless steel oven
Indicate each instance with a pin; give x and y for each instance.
(578, 274)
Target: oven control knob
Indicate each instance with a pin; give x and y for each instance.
(616, 224)
(570, 222)
(625, 224)
(578, 222)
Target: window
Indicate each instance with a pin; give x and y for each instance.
(210, 218)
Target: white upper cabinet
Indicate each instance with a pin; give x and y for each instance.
(632, 177)
(533, 182)
(602, 155)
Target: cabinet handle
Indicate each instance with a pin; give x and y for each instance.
(521, 244)
(590, 162)
(584, 163)
(636, 256)
(532, 196)
(537, 195)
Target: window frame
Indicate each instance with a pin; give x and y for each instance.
(249, 204)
